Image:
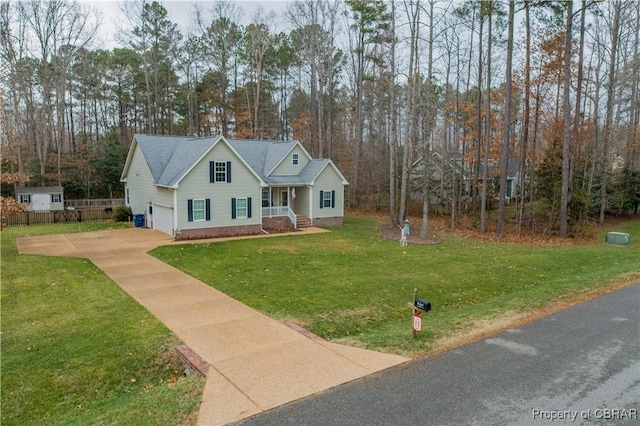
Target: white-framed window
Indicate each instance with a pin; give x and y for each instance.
(241, 208)
(198, 210)
(128, 202)
(56, 198)
(221, 171)
(326, 199)
(265, 197)
(25, 198)
(295, 158)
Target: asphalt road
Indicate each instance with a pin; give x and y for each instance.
(578, 366)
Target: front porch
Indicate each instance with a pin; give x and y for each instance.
(283, 217)
(286, 207)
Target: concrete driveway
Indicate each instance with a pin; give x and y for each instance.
(256, 363)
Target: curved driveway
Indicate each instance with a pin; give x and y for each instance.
(256, 363)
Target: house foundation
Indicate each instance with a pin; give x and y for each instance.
(328, 221)
(225, 231)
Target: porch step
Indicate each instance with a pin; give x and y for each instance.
(303, 221)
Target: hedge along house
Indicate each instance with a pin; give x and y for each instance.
(212, 187)
(41, 198)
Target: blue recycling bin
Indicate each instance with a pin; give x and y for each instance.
(138, 220)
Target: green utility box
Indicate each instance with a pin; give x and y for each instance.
(617, 238)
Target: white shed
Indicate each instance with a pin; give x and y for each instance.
(41, 198)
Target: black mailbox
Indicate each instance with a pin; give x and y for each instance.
(423, 305)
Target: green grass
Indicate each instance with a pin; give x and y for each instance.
(352, 285)
(77, 350)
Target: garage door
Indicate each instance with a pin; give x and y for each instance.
(163, 219)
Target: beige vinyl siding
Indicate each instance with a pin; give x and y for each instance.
(301, 204)
(286, 166)
(328, 180)
(141, 187)
(57, 206)
(196, 185)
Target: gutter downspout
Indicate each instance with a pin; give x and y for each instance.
(262, 217)
(310, 202)
(174, 219)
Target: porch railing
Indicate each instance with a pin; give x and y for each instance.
(280, 211)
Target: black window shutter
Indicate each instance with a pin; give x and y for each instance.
(249, 207)
(190, 210)
(208, 209)
(321, 199)
(233, 208)
(228, 171)
(212, 171)
(333, 199)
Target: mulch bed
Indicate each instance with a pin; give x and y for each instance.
(393, 233)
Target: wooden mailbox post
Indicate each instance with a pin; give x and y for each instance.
(419, 306)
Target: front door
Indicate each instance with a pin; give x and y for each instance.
(284, 199)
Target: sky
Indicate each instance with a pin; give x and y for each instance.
(179, 11)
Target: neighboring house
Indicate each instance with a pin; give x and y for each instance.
(41, 198)
(513, 175)
(439, 178)
(191, 187)
(440, 169)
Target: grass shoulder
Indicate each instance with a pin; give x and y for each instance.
(76, 349)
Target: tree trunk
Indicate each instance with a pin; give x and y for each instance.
(608, 128)
(526, 119)
(566, 114)
(506, 130)
(487, 142)
(476, 174)
(393, 142)
(412, 83)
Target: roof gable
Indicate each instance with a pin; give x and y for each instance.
(263, 156)
(186, 154)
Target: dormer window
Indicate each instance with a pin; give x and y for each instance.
(295, 159)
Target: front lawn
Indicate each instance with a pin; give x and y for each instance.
(352, 285)
(77, 350)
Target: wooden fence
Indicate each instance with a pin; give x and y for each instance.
(41, 218)
(94, 204)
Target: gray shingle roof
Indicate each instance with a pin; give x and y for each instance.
(38, 189)
(262, 156)
(306, 175)
(171, 157)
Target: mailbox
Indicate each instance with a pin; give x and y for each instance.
(423, 305)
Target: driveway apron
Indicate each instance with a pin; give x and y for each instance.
(255, 363)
